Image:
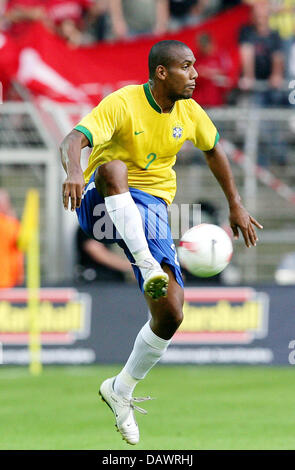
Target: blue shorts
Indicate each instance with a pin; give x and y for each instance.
(96, 223)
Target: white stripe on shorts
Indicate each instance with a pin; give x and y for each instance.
(89, 188)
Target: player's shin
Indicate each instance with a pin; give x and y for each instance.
(147, 351)
(127, 220)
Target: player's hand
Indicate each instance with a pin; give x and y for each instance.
(240, 219)
(72, 189)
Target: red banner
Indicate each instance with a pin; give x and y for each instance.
(50, 67)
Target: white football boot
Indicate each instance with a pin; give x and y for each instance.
(155, 279)
(123, 410)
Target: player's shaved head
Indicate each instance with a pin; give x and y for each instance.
(163, 53)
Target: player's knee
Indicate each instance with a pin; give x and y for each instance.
(112, 170)
(113, 177)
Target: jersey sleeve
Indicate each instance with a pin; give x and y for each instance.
(205, 135)
(102, 122)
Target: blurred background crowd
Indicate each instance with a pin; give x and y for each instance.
(85, 21)
(266, 43)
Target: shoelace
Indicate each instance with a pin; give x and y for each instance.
(139, 400)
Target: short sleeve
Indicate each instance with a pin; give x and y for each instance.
(206, 135)
(103, 121)
(246, 35)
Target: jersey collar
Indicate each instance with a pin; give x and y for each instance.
(151, 99)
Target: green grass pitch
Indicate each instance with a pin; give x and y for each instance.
(195, 408)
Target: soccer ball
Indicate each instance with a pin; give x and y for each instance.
(205, 250)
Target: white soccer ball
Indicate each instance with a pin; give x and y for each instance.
(205, 250)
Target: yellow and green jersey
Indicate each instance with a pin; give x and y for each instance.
(129, 125)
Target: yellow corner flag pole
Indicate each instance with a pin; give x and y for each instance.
(29, 243)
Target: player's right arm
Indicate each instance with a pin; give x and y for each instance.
(70, 150)
(93, 130)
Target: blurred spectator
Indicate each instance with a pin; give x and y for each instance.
(282, 15)
(68, 19)
(215, 68)
(226, 4)
(19, 14)
(11, 265)
(292, 60)
(2, 13)
(185, 13)
(282, 20)
(8, 64)
(99, 262)
(96, 20)
(131, 18)
(261, 57)
(263, 76)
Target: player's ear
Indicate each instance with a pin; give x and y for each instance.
(161, 72)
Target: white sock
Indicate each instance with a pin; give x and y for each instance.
(127, 220)
(147, 351)
(125, 384)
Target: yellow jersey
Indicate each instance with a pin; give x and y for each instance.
(129, 125)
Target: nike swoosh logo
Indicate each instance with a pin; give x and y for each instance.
(137, 133)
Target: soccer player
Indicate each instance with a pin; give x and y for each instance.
(135, 134)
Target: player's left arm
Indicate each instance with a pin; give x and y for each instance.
(238, 217)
